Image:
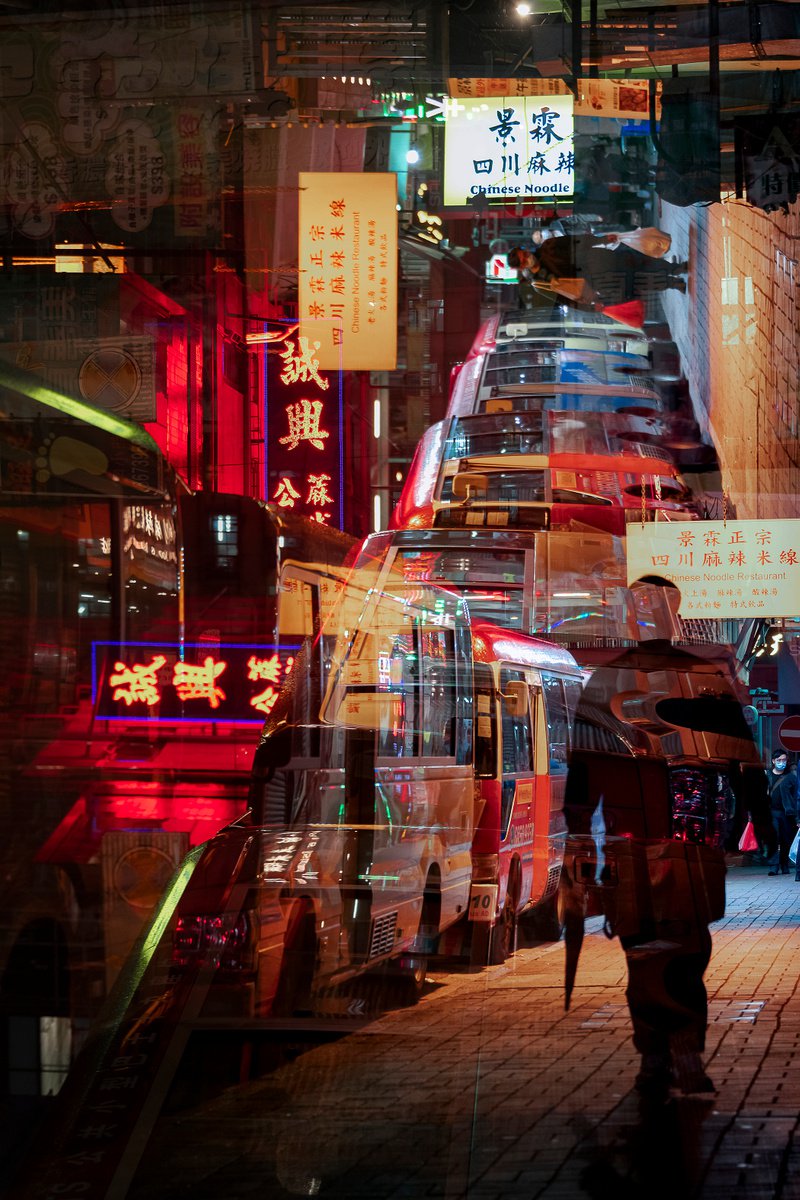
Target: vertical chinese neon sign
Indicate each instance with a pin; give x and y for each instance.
(303, 424)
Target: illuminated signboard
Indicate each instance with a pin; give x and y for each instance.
(509, 147)
(347, 261)
(303, 423)
(164, 682)
(498, 270)
(723, 569)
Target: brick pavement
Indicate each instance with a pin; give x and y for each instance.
(737, 332)
(487, 1090)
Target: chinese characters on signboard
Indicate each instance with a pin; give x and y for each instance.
(509, 147)
(347, 261)
(303, 422)
(771, 154)
(723, 569)
(156, 682)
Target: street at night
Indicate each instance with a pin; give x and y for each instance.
(400, 599)
(488, 1088)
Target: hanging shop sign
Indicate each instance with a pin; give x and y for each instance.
(596, 97)
(476, 89)
(160, 682)
(618, 98)
(722, 568)
(771, 155)
(509, 147)
(347, 262)
(303, 422)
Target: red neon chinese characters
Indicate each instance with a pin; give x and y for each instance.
(264, 668)
(265, 701)
(302, 367)
(285, 493)
(137, 684)
(199, 683)
(318, 489)
(304, 419)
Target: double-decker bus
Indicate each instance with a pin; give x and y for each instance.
(515, 469)
(576, 330)
(546, 379)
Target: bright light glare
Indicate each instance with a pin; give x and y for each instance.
(412, 156)
(524, 10)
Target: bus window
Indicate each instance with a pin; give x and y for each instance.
(517, 741)
(464, 702)
(523, 487)
(485, 762)
(573, 689)
(296, 611)
(398, 673)
(557, 723)
(438, 693)
(517, 749)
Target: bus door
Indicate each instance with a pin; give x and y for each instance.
(552, 750)
(424, 791)
(517, 784)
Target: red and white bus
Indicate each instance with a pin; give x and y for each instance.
(501, 469)
(566, 586)
(577, 330)
(546, 378)
(426, 792)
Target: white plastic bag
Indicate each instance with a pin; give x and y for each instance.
(650, 241)
(794, 847)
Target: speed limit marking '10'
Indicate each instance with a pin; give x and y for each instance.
(789, 733)
(483, 901)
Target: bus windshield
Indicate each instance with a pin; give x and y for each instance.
(568, 586)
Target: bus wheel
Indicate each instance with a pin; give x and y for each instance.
(412, 970)
(545, 922)
(503, 937)
(293, 994)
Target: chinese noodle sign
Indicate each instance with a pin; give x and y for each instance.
(723, 569)
(158, 682)
(509, 146)
(303, 423)
(347, 263)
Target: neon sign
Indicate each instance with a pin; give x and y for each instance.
(303, 423)
(157, 682)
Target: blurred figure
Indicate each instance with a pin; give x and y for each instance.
(569, 223)
(783, 805)
(660, 743)
(609, 277)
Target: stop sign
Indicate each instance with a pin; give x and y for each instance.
(789, 733)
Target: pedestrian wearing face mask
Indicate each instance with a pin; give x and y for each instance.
(783, 804)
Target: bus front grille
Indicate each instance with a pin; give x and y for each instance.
(383, 935)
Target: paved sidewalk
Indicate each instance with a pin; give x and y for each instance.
(488, 1090)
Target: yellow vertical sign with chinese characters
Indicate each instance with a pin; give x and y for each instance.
(347, 262)
(722, 568)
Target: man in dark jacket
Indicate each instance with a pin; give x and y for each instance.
(783, 804)
(610, 276)
(660, 744)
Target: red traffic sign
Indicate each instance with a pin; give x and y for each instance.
(789, 733)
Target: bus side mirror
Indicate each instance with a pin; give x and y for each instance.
(466, 486)
(516, 698)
